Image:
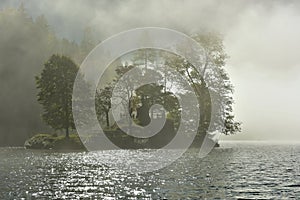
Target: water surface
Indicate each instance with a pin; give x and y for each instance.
(236, 170)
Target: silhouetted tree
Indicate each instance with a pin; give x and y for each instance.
(55, 86)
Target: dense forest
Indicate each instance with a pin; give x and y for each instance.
(25, 44)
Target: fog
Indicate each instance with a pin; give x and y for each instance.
(261, 37)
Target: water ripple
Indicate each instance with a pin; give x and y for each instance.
(234, 171)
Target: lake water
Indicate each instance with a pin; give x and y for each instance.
(236, 170)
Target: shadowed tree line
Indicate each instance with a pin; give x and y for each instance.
(153, 63)
(25, 45)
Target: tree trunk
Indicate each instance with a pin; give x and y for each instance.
(67, 132)
(107, 119)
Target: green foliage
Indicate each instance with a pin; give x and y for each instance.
(55, 86)
(205, 83)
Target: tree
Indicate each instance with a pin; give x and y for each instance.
(125, 91)
(55, 86)
(212, 80)
(103, 103)
(216, 57)
(211, 84)
(155, 94)
(87, 43)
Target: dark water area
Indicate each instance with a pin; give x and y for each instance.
(236, 170)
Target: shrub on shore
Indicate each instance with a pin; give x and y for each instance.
(54, 141)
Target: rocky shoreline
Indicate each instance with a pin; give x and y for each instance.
(48, 141)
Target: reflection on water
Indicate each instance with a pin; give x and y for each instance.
(236, 170)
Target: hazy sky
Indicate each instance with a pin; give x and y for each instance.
(261, 37)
